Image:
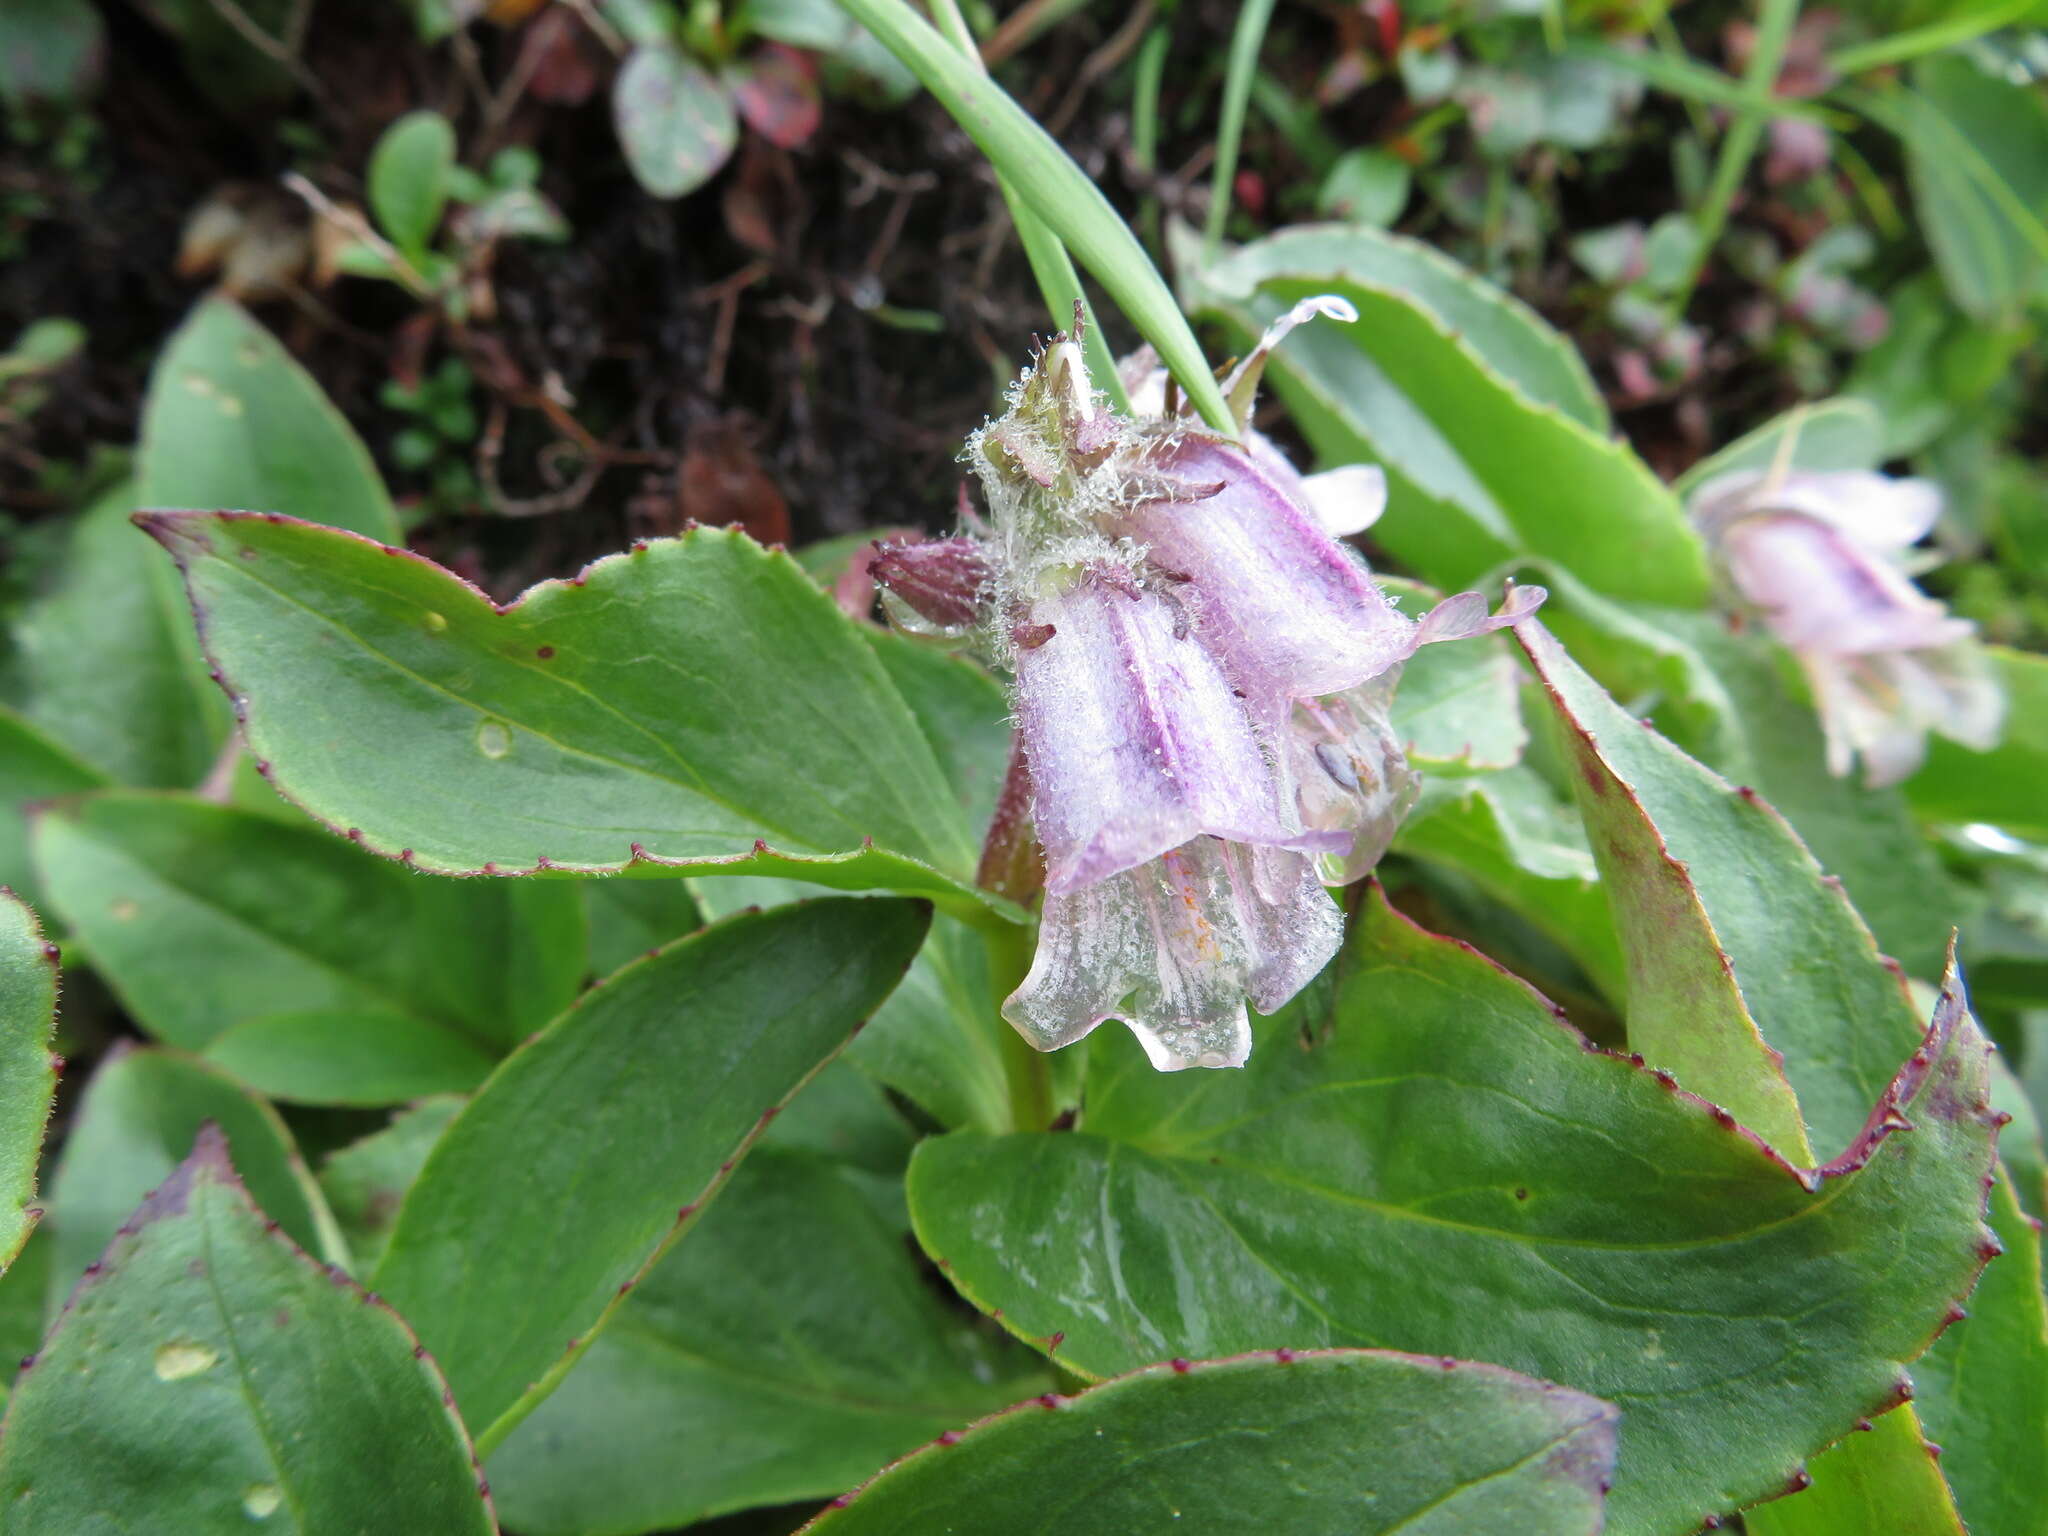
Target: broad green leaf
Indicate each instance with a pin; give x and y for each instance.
(1511, 834)
(23, 1286)
(350, 1056)
(1882, 1480)
(137, 1121)
(206, 1375)
(938, 1039)
(965, 715)
(1457, 708)
(731, 1377)
(1728, 699)
(1977, 155)
(2004, 786)
(1318, 1443)
(1833, 434)
(408, 179)
(627, 918)
(104, 660)
(1751, 978)
(1483, 432)
(1507, 335)
(232, 421)
(689, 1053)
(1035, 169)
(696, 706)
(365, 1182)
(32, 768)
(206, 919)
(28, 1072)
(1984, 1385)
(1422, 1156)
(675, 120)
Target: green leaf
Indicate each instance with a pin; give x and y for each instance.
(408, 179)
(697, 706)
(1035, 168)
(2002, 786)
(28, 1072)
(207, 1375)
(1882, 1480)
(1846, 433)
(105, 662)
(365, 1181)
(349, 1056)
(1313, 1444)
(137, 1120)
(232, 421)
(1977, 155)
(732, 1378)
(206, 919)
(1480, 415)
(675, 120)
(23, 1286)
(965, 715)
(1511, 834)
(627, 918)
(32, 768)
(1728, 699)
(938, 1040)
(690, 1053)
(1984, 1386)
(1740, 951)
(1457, 708)
(1365, 186)
(1421, 1156)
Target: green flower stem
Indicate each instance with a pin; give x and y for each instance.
(1917, 42)
(1058, 282)
(1045, 180)
(1025, 1069)
(1245, 42)
(1774, 31)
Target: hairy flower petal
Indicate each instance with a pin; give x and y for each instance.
(1876, 511)
(1174, 947)
(1291, 610)
(1135, 739)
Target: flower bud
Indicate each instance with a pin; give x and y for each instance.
(944, 582)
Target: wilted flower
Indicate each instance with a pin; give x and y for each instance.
(1819, 558)
(1202, 673)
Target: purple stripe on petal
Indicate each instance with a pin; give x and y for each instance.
(1289, 609)
(1136, 740)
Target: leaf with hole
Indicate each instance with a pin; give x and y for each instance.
(206, 1374)
(696, 706)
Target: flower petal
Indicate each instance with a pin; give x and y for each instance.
(1878, 511)
(1173, 947)
(1349, 773)
(1823, 593)
(1135, 738)
(1291, 611)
